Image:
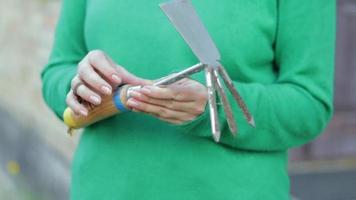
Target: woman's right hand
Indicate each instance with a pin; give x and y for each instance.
(97, 76)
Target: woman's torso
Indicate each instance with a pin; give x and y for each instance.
(133, 156)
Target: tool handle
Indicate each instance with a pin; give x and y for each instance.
(111, 105)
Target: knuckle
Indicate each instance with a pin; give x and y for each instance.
(163, 113)
(171, 105)
(81, 63)
(69, 94)
(202, 95)
(143, 106)
(118, 68)
(199, 110)
(84, 92)
(69, 99)
(93, 80)
(159, 113)
(95, 54)
(82, 71)
(74, 82)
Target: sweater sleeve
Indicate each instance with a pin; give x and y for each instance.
(68, 49)
(297, 107)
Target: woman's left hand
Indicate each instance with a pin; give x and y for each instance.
(176, 103)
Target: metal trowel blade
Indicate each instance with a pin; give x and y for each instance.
(185, 19)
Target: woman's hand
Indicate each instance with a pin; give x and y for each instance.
(177, 103)
(97, 75)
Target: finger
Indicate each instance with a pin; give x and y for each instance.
(100, 62)
(88, 95)
(126, 76)
(90, 77)
(172, 121)
(73, 103)
(159, 111)
(129, 78)
(158, 92)
(183, 106)
(176, 92)
(76, 82)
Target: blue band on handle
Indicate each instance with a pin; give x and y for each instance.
(117, 101)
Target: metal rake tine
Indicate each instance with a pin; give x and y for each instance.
(180, 75)
(236, 95)
(215, 125)
(226, 105)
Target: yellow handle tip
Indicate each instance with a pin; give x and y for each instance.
(68, 118)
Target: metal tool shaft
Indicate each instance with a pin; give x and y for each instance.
(180, 75)
(172, 78)
(215, 125)
(236, 95)
(225, 102)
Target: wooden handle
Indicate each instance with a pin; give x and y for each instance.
(110, 106)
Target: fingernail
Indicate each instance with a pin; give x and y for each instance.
(83, 112)
(95, 99)
(106, 90)
(132, 103)
(116, 78)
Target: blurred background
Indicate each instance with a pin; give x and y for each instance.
(35, 151)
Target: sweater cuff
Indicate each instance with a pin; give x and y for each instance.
(56, 84)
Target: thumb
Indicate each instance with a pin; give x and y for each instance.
(126, 76)
(131, 79)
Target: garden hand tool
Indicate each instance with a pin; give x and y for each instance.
(183, 16)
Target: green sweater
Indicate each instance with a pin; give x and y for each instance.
(280, 54)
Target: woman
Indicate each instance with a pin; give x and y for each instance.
(280, 54)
